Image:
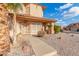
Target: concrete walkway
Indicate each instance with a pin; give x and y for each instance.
(41, 48)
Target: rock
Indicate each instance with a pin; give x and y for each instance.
(59, 37)
(40, 33)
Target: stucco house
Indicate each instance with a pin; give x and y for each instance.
(74, 27)
(31, 20)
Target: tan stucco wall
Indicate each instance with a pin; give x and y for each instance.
(53, 28)
(36, 10)
(20, 28)
(35, 27)
(32, 10)
(31, 28)
(28, 29)
(17, 28)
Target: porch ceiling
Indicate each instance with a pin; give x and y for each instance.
(34, 19)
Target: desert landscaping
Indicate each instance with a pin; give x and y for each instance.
(66, 44)
(24, 31)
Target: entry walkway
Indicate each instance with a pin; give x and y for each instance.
(41, 48)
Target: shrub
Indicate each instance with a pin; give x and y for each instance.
(57, 29)
(40, 33)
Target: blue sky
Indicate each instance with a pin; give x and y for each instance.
(64, 13)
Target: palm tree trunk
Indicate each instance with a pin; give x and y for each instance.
(4, 33)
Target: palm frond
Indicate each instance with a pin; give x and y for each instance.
(13, 6)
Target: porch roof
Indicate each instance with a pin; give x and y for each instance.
(34, 19)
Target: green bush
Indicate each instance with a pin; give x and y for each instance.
(57, 28)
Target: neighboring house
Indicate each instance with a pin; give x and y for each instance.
(73, 27)
(31, 20)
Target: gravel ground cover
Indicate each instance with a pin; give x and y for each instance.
(66, 44)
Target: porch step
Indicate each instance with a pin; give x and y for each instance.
(41, 48)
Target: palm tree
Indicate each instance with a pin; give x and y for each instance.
(4, 32)
(13, 7)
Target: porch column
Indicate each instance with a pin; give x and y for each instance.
(52, 28)
(44, 27)
(29, 27)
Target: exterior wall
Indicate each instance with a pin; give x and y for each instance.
(18, 30)
(23, 29)
(72, 27)
(32, 10)
(32, 28)
(52, 28)
(36, 10)
(35, 27)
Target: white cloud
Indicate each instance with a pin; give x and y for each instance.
(65, 6)
(74, 9)
(57, 19)
(56, 8)
(72, 12)
(64, 12)
(57, 22)
(63, 22)
(60, 20)
(69, 15)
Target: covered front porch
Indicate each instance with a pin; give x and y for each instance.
(31, 25)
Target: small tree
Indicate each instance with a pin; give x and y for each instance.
(49, 28)
(57, 28)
